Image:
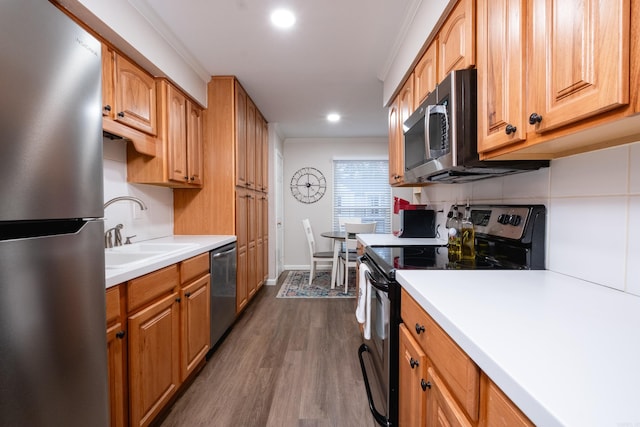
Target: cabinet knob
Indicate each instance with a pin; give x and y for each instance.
(121, 114)
(193, 178)
(107, 108)
(419, 328)
(413, 362)
(178, 299)
(510, 129)
(187, 294)
(535, 118)
(120, 334)
(425, 384)
(186, 178)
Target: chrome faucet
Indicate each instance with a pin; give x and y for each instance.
(140, 203)
(108, 241)
(108, 236)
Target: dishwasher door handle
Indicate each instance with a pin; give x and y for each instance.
(219, 254)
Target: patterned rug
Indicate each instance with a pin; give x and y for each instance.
(296, 285)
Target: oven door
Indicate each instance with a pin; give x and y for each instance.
(375, 353)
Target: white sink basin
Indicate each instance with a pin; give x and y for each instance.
(152, 247)
(117, 259)
(139, 253)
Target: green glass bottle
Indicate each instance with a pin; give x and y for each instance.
(468, 237)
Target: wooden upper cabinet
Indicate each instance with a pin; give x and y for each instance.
(425, 75)
(250, 154)
(241, 135)
(135, 96)
(108, 81)
(501, 73)
(179, 155)
(265, 156)
(194, 143)
(579, 59)
(395, 174)
(176, 133)
(456, 39)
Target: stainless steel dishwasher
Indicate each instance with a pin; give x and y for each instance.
(223, 290)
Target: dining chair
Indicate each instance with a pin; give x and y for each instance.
(348, 256)
(350, 220)
(326, 256)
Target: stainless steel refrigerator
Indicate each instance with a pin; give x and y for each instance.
(53, 363)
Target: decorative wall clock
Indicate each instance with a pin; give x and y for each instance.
(308, 185)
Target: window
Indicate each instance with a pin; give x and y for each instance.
(361, 190)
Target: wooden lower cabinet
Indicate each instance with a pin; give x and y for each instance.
(195, 316)
(116, 362)
(154, 358)
(498, 410)
(442, 409)
(412, 370)
(439, 385)
(163, 341)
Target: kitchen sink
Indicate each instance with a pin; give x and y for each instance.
(138, 253)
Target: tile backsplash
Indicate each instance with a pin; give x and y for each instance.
(155, 222)
(592, 200)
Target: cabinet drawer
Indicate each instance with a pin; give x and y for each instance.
(145, 289)
(113, 304)
(194, 267)
(457, 370)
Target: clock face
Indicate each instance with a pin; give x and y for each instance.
(308, 185)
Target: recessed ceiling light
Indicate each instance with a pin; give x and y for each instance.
(333, 117)
(283, 18)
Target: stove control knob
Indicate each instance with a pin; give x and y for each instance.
(503, 219)
(515, 220)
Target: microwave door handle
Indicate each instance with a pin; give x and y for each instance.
(442, 148)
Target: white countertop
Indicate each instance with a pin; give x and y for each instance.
(205, 243)
(566, 351)
(391, 240)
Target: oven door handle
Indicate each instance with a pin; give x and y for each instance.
(382, 286)
(380, 419)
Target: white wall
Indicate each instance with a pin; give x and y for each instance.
(153, 223)
(317, 153)
(593, 202)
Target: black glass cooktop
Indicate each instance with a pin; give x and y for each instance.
(389, 259)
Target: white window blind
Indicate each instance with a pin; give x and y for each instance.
(361, 190)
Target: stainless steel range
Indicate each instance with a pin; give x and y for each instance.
(507, 237)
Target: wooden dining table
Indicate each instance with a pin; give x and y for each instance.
(338, 237)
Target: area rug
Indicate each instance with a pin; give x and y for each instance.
(296, 285)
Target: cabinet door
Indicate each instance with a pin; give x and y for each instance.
(154, 358)
(195, 160)
(241, 135)
(412, 371)
(242, 236)
(579, 60)
(498, 410)
(195, 315)
(456, 43)
(176, 138)
(115, 372)
(501, 70)
(425, 75)
(258, 152)
(395, 174)
(264, 218)
(252, 250)
(135, 96)
(265, 156)
(108, 81)
(251, 144)
(442, 410)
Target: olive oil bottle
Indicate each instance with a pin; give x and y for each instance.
(454, 230)
(468, 237)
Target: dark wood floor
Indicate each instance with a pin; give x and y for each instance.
(286, 362)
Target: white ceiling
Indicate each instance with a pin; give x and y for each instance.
(333, 60)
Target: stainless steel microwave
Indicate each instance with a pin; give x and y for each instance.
(440, 137)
